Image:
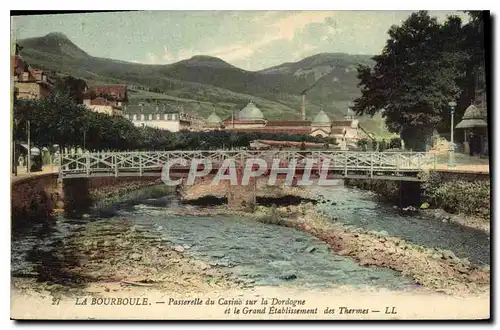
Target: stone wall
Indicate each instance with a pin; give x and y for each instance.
(82, 193)
(35, 198)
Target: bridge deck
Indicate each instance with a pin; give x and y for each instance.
(340, 164)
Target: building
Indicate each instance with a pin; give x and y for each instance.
(165, 119)
(108, 99)
(214, 122)
(102, 105)
(30, 83)
(475, 130)
(251, 119)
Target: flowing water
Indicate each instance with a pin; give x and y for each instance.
(261, 254)
(358, 208)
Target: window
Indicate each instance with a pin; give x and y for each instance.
(134, 117)
(150, 117)
(174, 116)
(142, 117)
(165, 116)
(157, 116)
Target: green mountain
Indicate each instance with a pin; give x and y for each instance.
(204, 83)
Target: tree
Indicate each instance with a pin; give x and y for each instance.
(414, 78)
(73, 87)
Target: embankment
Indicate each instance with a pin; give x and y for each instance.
(34, 198)
(464, 197)
(39, 197)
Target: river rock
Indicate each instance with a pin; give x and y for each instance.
(186, 246)
(446, 254)
(383, 233)
(288, 276)
(178, 248)
(135, 256)
(310, 249)
(466, 262)
(218, 254)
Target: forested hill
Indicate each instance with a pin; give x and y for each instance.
(204, 83)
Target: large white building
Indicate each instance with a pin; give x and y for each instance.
(170, 121)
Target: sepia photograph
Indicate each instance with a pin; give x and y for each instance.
(250, 165)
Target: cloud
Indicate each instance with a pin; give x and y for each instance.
(275, 29)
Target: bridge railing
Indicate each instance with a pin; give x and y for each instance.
(138, 163)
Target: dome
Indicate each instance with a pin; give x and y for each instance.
(321, 119)
(214, 119)
(473, 117)
(250, 112)
(472, 112)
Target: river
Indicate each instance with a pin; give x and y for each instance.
(257, 253)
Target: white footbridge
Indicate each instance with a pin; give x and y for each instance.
(404, 166)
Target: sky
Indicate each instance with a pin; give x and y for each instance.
(251, 40)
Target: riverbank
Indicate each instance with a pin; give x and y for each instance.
(458, 199)
(438, 270)
(40, 197)
(121, 253)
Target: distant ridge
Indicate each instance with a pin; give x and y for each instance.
(203, 83)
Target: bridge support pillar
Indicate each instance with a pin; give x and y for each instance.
(410, 194)
(241, 197)
(76, 195)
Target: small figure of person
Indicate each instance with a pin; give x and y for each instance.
(471, 144)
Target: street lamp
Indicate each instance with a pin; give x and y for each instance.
(451, 160)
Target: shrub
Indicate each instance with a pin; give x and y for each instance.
(362, 143)
(459, 196)
(395, 143)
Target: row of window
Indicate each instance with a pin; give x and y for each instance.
(166, 116)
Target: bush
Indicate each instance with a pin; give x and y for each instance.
(458, 196)
(363, 144)
(382, 145)
(395, 143)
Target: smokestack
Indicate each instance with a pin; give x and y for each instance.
(303, 106)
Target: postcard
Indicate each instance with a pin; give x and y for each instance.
(250, 165)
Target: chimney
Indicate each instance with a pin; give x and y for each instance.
(303, 106)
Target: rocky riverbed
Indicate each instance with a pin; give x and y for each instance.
(117, 252)
(436, 269)
(171, 246)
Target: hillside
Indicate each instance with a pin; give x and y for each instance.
(203, 83)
